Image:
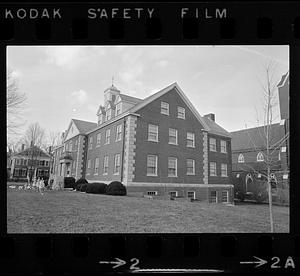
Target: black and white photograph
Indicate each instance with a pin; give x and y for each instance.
(148, 139)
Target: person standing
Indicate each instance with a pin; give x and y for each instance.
(41, 186)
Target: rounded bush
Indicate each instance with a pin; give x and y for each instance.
(69, 182)
(116, 188)
(83, 187)
(96, 188)
(77, 188)
(80, 181)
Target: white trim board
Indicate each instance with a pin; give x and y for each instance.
(179, 185)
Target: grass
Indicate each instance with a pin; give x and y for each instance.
(76, 212)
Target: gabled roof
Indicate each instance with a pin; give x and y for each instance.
(215, 128)
(255, 138)
(28, 152)
(284, 79)
(130, 99)
(84, 126)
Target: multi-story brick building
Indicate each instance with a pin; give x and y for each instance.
(249, 151)
(32, 162)
(154, 146)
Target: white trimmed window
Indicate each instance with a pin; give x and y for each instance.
(241, 158)
(173, 193)
(153, 133)
(117, 163)
(107, 136)
(190, 139)
(224, 170)
(76, 142)
(91, 143)
(152, 165)
(118, 133)
(212, 144)
(164, 108)
(190, 166)
(96, 165)
(98, 139)
(71, 146)
(223, 146)
(118, 109)
(213, 169)
(173, 136)
(191, 194)
(180, 112)
(105, 164)
(151, 193)
(172, 167)
(260, 157)
(225, 196)
(213, 196)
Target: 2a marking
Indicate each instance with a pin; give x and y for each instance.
(289, 263)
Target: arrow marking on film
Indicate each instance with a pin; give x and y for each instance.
(118, 262)
(259, 262)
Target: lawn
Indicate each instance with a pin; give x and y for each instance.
(76, 212)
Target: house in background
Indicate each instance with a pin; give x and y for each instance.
(155, 146)
(32, 162)
(249, 149)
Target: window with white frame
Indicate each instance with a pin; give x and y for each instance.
(172, 136)
(107, 136)
(164, 108)
(173, 193)
(118, 109)
(212, 144)
(152, 165)
(190, 139)
(223, 146)
(98, 139)
(96, 165)
(153, 133)
(151, 193)
(105, 164)
(117, 163)
(191, 194)
(260, 157)
(213, 196)
(172, 167)
(190, 166)
(76, 141)
(118, 132)
(71, 146)
(241, 158)
(225, 196)
(213, 169)
(180, 112)
(224, 170)
(283, 149)
(89, 166)
(108, 114)
(91, 143)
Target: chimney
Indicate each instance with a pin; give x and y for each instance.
(210, 116)
(23, 147)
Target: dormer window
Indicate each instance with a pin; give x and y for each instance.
(118, 109)
(164, 108)
(241, 158)
(260, 157)
(100, 120)
(108, 114)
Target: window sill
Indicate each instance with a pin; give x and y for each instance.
(107, 143)
(152, 174)
(190, 174)
(212, 150)
(180, 118)
(225, 152)
(173, 144)
(190, 147)
(224, 175)
(96, 174)
(165, 114)
(212, 175)
(118, 140)
(104, 174)
(98, 146)
(156, 141)
(172, 176)
(116, 173)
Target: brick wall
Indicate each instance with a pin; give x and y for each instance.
(152, 114)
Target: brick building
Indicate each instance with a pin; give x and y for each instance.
(154, 146)
(249, 151)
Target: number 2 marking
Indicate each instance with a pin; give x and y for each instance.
(276, 261)
(135, 263)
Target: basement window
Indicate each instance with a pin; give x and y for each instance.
(152, 193)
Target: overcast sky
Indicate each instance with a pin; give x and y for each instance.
(64, 82)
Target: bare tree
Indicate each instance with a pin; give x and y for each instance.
(271, 143)
(53, 139)
(14, 103)
(34, 136)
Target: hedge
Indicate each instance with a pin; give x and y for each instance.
(69, 182)
(83, 187)
(80, 181)
(96, 188)
(116, 188)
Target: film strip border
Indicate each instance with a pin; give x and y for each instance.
(212, 23)
(135, 253)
